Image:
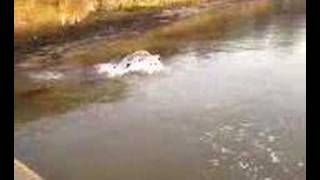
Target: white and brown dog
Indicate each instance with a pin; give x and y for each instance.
(138, 62)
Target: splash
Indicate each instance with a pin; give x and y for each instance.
(46, 75)
(138, 62)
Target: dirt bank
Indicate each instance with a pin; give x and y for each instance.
(151, 30)
(106, 25)
(22, 172)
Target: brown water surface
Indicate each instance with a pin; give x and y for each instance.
(226, 109)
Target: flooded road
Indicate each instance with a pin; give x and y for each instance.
(228, 109)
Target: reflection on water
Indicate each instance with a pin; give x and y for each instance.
(232, 110)
(37, 100)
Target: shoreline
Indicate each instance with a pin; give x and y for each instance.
(23, 172)
(106, 26)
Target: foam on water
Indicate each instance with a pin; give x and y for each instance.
(243, 147)
(139, 62)
(46, 75)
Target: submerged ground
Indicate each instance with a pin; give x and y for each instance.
(230, 105)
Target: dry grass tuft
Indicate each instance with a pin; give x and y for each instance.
(45, 15)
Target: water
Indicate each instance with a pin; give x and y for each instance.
(233, 109)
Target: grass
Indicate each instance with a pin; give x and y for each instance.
(46, 16)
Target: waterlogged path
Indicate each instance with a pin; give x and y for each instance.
(227, 109)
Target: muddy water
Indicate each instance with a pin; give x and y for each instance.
(233, 109)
